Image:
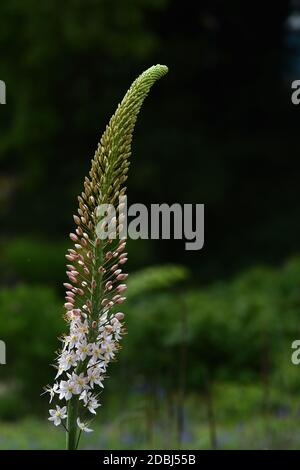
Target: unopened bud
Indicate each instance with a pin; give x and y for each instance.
(119, 316)
(67, 285)
(121, 288)
(69, 305)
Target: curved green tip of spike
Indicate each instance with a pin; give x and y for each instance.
(162, 69)
(156, 71)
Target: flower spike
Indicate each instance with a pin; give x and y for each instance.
(96, 282)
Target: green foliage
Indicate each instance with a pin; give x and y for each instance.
(155, 277)
(239, 332)
(29, 324)
(32, 260)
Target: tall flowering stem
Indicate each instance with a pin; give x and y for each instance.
(96, 281)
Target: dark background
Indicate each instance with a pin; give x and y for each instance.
(219, 129)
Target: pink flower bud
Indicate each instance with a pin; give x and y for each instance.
(69, 306)
(73, 237)
(123, 260)
(83, 242)
(108, 285)
(122, 277)
(121, 288)
(119, 316)
(121, 247)
(76, 219)
(71, 257)
(108, 255)
(67, 285)
(72, 278)
(70, 293)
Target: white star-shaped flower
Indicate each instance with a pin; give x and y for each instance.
(66, 389)
(83, 427)
(57, 415)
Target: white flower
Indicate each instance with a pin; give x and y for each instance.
(89, 401)
(96, 352)
(117, 328)
(67, 360)
(67, 389)
(83, 349)
(83, 328)
(85, 397)
(108, 347)
(59, 372)
(83, 426)
(79, 381)
(71, 340)
(94, 376)
(92, 404)
(57, 415)
(52, 390)
(79, 328)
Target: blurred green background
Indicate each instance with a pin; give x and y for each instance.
(207, 359)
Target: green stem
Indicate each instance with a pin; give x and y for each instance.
(71, 435)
